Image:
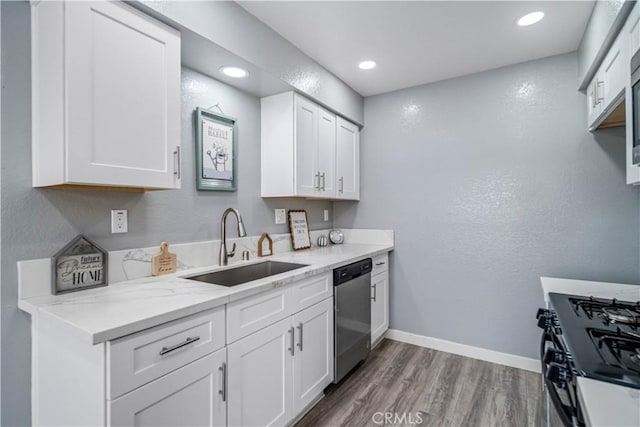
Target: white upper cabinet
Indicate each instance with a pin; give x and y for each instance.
(106, 97)
(347, 161)
(606, 92)
(300, 150)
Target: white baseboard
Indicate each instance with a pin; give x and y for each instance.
(506, 359)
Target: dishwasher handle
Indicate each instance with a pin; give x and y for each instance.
(352, 271)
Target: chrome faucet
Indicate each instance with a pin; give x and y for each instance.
(242, 232)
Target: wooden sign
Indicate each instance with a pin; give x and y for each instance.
(265, 245)
(300, 238)
(164, 262)
(81, 264)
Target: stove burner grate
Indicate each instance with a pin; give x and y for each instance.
(619, 348)
(610, 311)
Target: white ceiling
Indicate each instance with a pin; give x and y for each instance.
(418, 42)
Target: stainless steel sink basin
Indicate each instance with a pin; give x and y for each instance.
(246, 273)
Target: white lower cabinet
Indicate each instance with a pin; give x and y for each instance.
(379, 298)
(190, 396)
(260, 382)
(313, 359)
(276, 372)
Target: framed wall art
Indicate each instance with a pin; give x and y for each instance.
(300, 238)
(216, 151)
(81, 264)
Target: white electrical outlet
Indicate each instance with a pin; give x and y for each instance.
(281, 216)
(119, 221)
(326, 214)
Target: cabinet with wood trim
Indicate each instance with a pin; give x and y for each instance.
(105, 97)
(307, 151)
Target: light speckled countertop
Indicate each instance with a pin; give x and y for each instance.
(123, 308)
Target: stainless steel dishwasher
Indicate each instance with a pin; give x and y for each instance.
(352, 315)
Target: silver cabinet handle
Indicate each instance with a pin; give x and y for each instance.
(380, 263)
(375, 291)
(188, 341)
(301, 332)
(593, 94)
(223, 375)
(176, 167)
(341, 181)
(322, 175)
(600, 98)
(317, 180)
(292, 348)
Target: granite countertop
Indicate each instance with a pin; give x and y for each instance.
(123, 308)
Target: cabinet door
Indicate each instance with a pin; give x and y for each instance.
(379, 305)
(123, 97)
(313, 361)
(306, 146)
(190, 396)
(615, 71)
(327, 153)
(347, 160)
(260, 377)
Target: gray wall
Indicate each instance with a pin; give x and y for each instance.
(228, 25)
(491, 181)
(35, 223)
(606, 21)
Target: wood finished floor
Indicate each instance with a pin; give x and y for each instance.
(446, 389)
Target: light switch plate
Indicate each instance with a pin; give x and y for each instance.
(119, 221)
(326, 214)
(281, 216)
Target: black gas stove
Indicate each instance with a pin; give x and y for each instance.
(596, 338)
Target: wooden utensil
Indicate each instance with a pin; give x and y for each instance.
(164, 262)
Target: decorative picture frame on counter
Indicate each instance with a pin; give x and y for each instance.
(298, 225)
(265, 245)
(216, 151)
(80, 265)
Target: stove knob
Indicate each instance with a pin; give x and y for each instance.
(554, 356)
(544, 318)
(558, 374)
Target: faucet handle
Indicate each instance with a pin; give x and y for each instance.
(232, 252)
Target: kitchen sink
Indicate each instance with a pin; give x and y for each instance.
(246, 273)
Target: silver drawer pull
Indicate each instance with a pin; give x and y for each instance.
(292, 349)
(375, 292)
(223, 374)
(188, 341)
(380, 263)
(301, 332)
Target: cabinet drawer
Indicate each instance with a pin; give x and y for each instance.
(380, 264)
(142, 357)
(254, 313)
(310, 291)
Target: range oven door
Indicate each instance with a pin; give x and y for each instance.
(557, 372)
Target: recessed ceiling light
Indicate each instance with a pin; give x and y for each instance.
(367, 65)
(530, 18)
(235, 72)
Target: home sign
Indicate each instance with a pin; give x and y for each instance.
(79, 265)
